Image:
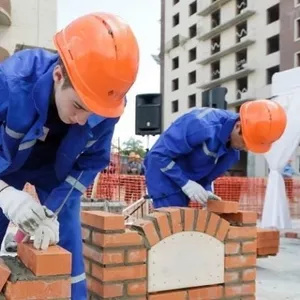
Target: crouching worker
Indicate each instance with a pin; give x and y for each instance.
(203, 144)
(58, 113)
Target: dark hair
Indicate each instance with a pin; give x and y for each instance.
(67, 82)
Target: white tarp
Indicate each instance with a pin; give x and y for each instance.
(286, 91)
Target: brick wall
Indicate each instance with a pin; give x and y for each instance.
(33, 274)
(165, 249)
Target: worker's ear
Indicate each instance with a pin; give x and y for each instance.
(238, 127)
(57, 74)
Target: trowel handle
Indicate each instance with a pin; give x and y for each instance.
(20, 236)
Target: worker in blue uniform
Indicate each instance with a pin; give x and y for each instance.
(204, 143)
(58, 112)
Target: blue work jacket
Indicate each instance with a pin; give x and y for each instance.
(26, 84)
(194, 147)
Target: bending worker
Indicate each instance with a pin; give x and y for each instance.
(204, 143)
(58, 113)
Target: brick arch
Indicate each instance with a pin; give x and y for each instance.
(117, 254)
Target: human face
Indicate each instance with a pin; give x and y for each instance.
(236, 138)
(70, 108)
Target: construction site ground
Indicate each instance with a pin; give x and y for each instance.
(277, 276)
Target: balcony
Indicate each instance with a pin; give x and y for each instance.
(5, 13)
(245, 42)
(208, 9)
(244, 15)
(213, 83)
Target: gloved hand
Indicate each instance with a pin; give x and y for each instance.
(21, 209)
(47, 233)
(212, 196)
(195, 192)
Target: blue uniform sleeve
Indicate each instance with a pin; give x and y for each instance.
(88, 165)
(178, 140)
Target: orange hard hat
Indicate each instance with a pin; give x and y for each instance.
(101, 56)
(263, 122)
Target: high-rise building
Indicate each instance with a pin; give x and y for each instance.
(29, 23)
(236, 44)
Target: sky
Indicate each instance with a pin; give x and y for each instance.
(143, 16)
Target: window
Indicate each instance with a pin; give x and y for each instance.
(175, 41)
(175, 63)
(192, 100)
(193, 31)
(240, 5)
(215, 70)
(215, 19)
(192, 54)
(241, 31)
(215, 44)
(193, 8)
(175, 84)
(273, 44)
(297, 59)
(241, 59)
(192, 77)
(175, 2)
(175, 106)
(175, 20)
(297, 29)
(273, 14)
(270, 72)
(241, 86)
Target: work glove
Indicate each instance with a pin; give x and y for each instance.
(47, 233)
(195, 192)
(21, 209)
(212, 196)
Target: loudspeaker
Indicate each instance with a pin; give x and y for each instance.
(148, 110)
(215, 98)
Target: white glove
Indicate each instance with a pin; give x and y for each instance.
(195, 192)
(212, 196)
(47, 233)
(21, 209)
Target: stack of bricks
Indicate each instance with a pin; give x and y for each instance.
(268, 241)
(117, 261)
(35, 274)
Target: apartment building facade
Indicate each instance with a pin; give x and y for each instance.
(31, 23)
(237, 44)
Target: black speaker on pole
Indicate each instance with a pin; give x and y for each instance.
(215, 98)
(148, 114)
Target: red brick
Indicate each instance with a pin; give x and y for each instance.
(180, 295)
(267, 251)
(242, 217)
(261, 243)
(189, 218)
(249, 247)
(137, 288)
(249, 275)
(268, 233)
(240, 290)
(129, 238)
(291, 235)
(201, 220)
(175, 216)
(222, 207)
(149, 230)
(4, 273)
(103, 220)
(241, 232)
(232, 248)
(232, 277)
(215, 292)
(223, 230)
(53, 261)
(105, 257)
(212, 224)
(106, 291)
(136, 255)
(163, 224)
(119, 273)
(240, 261)
(37, 289)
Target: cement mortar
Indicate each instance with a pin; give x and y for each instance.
(18, 270)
